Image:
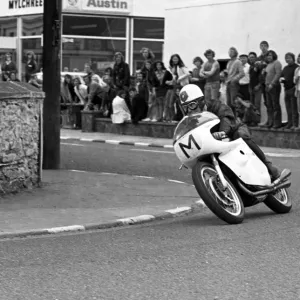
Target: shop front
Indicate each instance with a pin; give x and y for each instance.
(92, 31)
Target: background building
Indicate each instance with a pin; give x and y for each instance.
(192, 26)
(92, 31)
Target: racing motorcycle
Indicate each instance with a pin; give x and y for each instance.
(226, 173)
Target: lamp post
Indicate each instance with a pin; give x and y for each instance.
(51, 82)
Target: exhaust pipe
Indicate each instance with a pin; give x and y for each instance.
(282, 185)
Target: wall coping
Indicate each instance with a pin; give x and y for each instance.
(19, 90)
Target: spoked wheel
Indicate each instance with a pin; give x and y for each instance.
(280, 202)
(227, 205)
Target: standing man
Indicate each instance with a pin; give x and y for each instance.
(256, 81)
(261, 63)
(235, 72)
(287, 78)
(211, 72)
(244, 82)
(273, 89)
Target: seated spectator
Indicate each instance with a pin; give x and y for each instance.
(13, 77)
(8, 66)
(108, 96)
(33, 81)
(246, 111)
(139, 107)
(121, 112)
(108, 71)
(178, 112)
(80, 90)
(67, 90)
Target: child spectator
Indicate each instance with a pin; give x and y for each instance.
(13, 77)
(33, 81)
(8, 66)
(30, 66)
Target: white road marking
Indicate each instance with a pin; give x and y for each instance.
(64, 137)
(146, 177)
(168, 146)
(77, 145)
(179, 210)
(176, 181)
(78, 171)
(66, 229)
(153, 151)
(282, 154)
(87, 140)
(200, 202)
(113, 174)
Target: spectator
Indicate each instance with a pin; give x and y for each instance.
(30, 66)
(244, 81)
(6, 77)
(148, 55)
(273, 89)
(121, 112)
(33, 81)
(108, 71)
(75, 70)
(179, 70)
(223, 88)
(66, 69)
(297, 83)
(256, 81)
(151, 81)
(246, 111)
(108, 96)
(13, 77)
(8, 66)
(235, 72)
(262, 62)
(121, 73)
(80, 91)
(162, 76)
(141, 85)
(211, 72)
(139, 107)
(287, 78)
(67, 90)
(178, 112)
(196, 78)
(95, 94)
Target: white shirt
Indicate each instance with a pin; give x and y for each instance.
(246, 78)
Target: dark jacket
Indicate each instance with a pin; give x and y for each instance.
(8, 68)
(109, 96)
(161, 87)
(288, 73)
(139, 108)
(228, 123)
(30, 68)
(121, 75)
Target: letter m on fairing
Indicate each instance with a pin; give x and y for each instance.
(191, 140)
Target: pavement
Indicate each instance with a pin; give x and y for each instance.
(78, 201)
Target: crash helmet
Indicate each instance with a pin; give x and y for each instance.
(191, 98)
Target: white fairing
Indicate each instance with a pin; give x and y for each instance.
(199, 142)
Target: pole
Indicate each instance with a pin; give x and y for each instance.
(51, 82)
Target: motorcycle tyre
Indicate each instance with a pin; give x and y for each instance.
(211, 203)
(277, 206)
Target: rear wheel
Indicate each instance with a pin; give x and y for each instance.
(280, 202)
(227, 205)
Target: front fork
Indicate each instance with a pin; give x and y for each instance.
(219, 171)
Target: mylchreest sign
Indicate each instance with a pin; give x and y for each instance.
(20, 7)
(98, 6)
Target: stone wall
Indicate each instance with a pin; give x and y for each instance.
(20, 137)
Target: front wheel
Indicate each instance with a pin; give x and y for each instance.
(280, 202)
(227, 205)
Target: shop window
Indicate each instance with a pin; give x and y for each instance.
(94, 26)
(138, 60)
(148, 29)
(99, 53)
(8, 27)
(32, 25)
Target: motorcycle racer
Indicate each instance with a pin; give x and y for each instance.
(192, 101)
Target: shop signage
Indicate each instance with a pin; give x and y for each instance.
(20, 7)
(98, 6)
